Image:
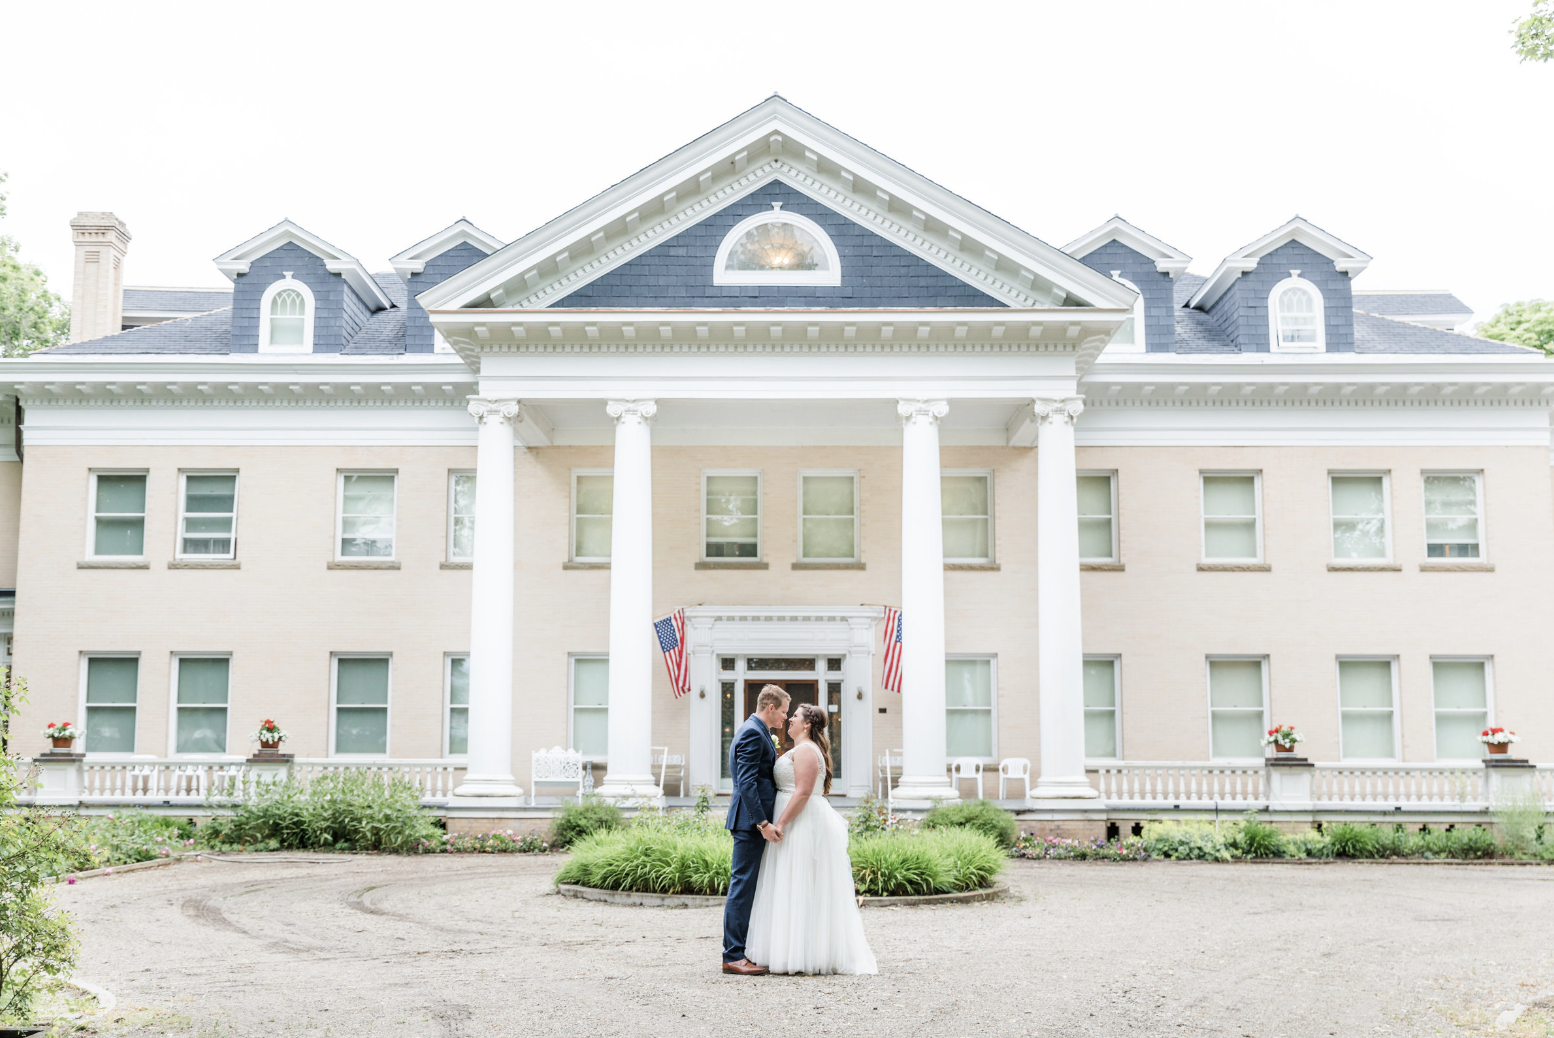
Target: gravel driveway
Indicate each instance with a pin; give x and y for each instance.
(479, 946)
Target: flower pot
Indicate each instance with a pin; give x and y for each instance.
(269, 747)
(62, 744)
(1494, 747)
(1281, 748)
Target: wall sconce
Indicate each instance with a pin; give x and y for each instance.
(703, 693)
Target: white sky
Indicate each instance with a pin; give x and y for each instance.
(1409, 129)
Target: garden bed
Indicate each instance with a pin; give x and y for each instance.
(632, 897)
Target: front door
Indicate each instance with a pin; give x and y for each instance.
(799, 692)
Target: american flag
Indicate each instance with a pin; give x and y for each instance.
(893, 649)
(671, 639)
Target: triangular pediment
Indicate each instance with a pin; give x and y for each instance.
(1346, 258)
(237, 260)
(776, 142)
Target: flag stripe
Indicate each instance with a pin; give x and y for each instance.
(892, 675)
(670, 631)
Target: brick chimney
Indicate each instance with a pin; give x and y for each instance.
(97, 305)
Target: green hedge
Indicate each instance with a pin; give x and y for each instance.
(982, 816)
(346, 810)
(576, 821)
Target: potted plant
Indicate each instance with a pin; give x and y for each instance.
(269, 736)
(1282, 738)
(1498, 740)
(64, 733)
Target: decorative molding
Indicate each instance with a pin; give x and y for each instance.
(1052, 410)
(484, 408)
(926, 410)
(632, 410)
(745, 347)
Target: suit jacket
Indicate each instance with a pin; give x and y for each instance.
(750, 761)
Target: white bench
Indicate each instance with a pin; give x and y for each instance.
(556, 767)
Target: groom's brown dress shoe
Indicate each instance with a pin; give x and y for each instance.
(745, 968)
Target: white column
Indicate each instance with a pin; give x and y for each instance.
(923, 761)
(858, 706)
(1059, 634)
(632, 645)
(490, 770)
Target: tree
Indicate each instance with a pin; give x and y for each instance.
(1530, 323)
(31, 317)
(1534, 34)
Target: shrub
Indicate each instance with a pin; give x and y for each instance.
(130, 836)
(873, 815)
(494, 842)
(1057, 848)
(651, 861)
(984, 816)
(1353, 841)
(1255, 838)
(677, 821)
(344, 810)
(1309, 844)
(1520, 823)
(1185, 841)
(576, 821)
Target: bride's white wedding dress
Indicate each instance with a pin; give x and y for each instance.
(805, 917)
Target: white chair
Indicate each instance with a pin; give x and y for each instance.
(889, 768)
(963, 768)
(555, 767)
(669, 765)
(1011, 769)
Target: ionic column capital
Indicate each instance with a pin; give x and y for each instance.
(910, 411)
(631, 410)
(484, 409)
(1051, 410)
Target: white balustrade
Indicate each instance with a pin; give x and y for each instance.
(1545, 782)
(1181, 782)
(154, 781)
(1391, 784)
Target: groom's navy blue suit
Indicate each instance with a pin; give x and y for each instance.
(750, 761)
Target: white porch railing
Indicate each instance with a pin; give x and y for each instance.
(435, 778)
(1444, 784)
(1180, 782)
(155, 781)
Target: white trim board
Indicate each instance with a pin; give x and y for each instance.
(1313, 426)
(67, 426)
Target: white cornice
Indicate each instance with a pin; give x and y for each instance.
(1345, 257)
(238, 260)
(1168, 259)
(461, 232)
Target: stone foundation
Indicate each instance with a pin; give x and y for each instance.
(474, 825)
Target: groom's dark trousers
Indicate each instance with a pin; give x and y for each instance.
(748, 847)
(750, 760)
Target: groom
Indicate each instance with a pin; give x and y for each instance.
(750, 761)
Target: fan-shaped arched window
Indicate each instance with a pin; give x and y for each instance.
(1295, 316)
(286, 317)
(777, 248)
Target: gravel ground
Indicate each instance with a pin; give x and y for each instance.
(479, 946)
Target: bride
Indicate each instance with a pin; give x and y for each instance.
(805, 917)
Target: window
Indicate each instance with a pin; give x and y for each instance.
(202, 688)
(731, 515)
(1236, 715)
(1461, 707)
(207, 517)
(1295, 316)
(593, 501)
(1097, 517)
(968, 516)
(361, 706)
(828, 516)
(1232, 520)
(591, 706)
(1453, 503)
(457, 682)
(112, 689)
(118, 515)
(777, 248)
(1103, 736)
(1359, 505)
(461, 516)
(1366, 694)
(968, 700)
(1130, 337)
(286, 317)
(367, 515)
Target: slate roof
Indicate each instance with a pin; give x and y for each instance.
(1373, 334)
(1402, 304)
(176, 300)
(384, 333)
(202, 333)
(1196, 332)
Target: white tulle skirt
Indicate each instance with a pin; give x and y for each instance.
(805, 918)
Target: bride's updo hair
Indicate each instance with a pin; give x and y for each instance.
(816, 718)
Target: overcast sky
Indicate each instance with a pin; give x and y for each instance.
(1409, 129)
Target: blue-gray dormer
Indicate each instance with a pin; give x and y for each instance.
(431, 262)
(1148, 265)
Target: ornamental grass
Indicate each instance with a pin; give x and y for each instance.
(651, 861)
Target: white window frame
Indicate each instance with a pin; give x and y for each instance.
(310, 309)
(1111, 475)
(1116, 662)
(572, 658)
(992, 542)
(992, 677)
(81, 701)
(857, 555)
(1489, 704)
(447, 702)
(340, 475)
(173, 707)
(1208, 691)
(572, 518)
(453, 475)
(1203, 516)
(722, 276)
(1386, 517)
(334, 706)
(183, 500)
(1338, 687)
(1139, 343)
(760, 514)
(92, 514)
(1275, 344)
(1483, 531)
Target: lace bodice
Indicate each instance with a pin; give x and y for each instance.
(784, 772)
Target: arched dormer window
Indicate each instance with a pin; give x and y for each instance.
(286, 317)
(1130, 337)
(777, 248)
(1295, 316)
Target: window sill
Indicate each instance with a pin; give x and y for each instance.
(363, 564)
(732, 564)
(1234, 567)
(1453, 566)
(829, 565)
(1364, 567)
(585, 565)
(204, 564)
(1105, 567)
(993, 566)
(113, 564)
(456, 565)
